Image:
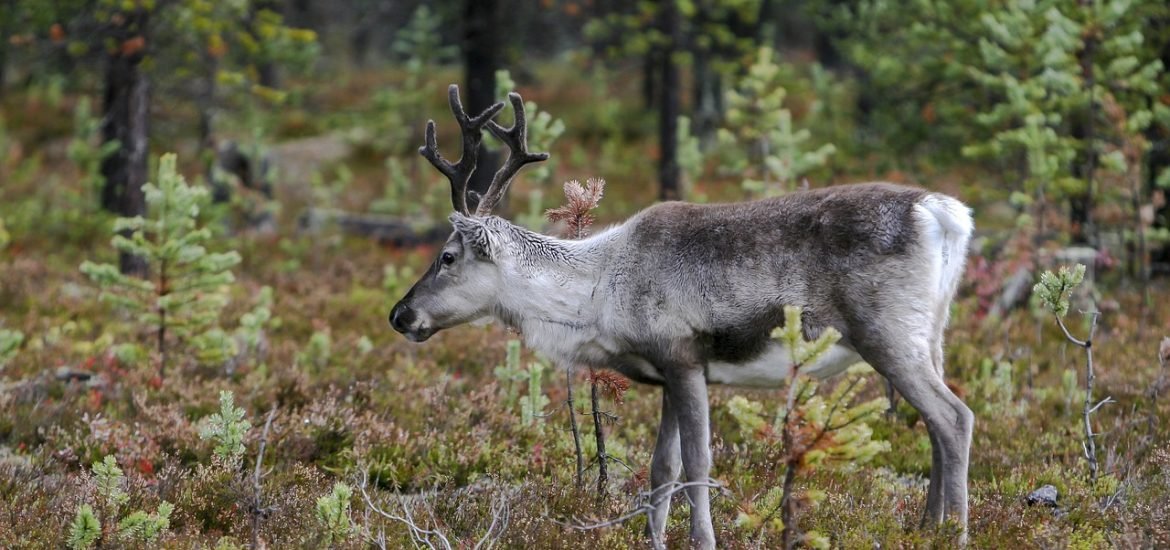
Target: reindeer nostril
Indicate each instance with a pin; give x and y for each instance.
(401, 318)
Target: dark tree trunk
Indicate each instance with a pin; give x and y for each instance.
(206, 105)
(707, 95)
(481, 60)
(1085, 167)
(1158, 159)
(8, 7)
(301, 15)
(267, 74)
(669, 106)
(765, 20)
(650, 68)
(126, 119)
(359, 44)
(3, 60)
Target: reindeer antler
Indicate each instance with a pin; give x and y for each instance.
(472, 129)
(516, 138)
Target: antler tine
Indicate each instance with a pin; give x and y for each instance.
(516, 138)
(472, 129)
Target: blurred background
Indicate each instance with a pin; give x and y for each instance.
(1054, 111)
(299, 196)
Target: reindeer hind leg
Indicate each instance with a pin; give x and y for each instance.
(908, 362)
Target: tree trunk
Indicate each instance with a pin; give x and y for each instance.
(126, 120)
(8, 8)
(650, 78)
(481, 60)
(1085, 167)
(267, 74)
(668, 106)
(1157, 160)
(206, 106)
(3, 59)
(707, 98)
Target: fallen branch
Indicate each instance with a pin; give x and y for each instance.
(644, 504)
(257, 505)
(385, 229)
(433, 538)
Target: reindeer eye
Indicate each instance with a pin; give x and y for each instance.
(447, 258)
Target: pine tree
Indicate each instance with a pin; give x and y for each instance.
(815, 431)
(185, 294)
(759, 137)
(227, 428)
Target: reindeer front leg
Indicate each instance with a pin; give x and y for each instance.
(687, 390)
(664, 468)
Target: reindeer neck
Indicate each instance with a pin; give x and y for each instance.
(550, 296)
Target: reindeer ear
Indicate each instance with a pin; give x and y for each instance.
(476, 235)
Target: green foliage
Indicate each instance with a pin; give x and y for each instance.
(801, 351)
(758, 137)
(138, 526)
(996, 386)
(397, 279)
(713, 29)
(10, 341)
(318, 351)
(85, 530)
(326, 190)
(187, 292)
(533, 404)
(227, 428)
(86, 150)
(543, 129)
(109, 479)
(690, 157)
(847, 437)
(511, 372)
(420, 43)
(145, 528)
(229, 42)
(1054, 288)
(816, 431)
(333, 514)
(250, 333)
(400, 108)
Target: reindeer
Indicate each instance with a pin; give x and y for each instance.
(685, 295)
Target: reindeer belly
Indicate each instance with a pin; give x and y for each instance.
(772, 367)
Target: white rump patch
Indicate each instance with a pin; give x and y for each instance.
(773, 367)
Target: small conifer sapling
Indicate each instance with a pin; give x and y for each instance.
(183, 297)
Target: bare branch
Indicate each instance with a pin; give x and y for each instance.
(258, 473)
(433, 538)
(420, 537)
(644, 504)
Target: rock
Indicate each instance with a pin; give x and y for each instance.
(1077, 255)
(1015, 292)
(69, 375)
(1045, 495)
(386, 229)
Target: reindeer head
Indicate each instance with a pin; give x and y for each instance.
(464, 279)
